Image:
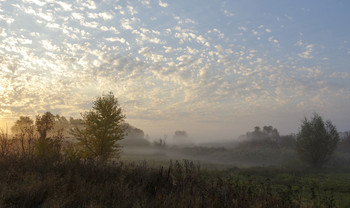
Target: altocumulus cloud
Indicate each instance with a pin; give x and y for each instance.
(166, 62)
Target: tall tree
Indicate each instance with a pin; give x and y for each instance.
(24, 132)
(46, 147)
(316, 140)
(22, 125)
(44, 124)
(102, 129)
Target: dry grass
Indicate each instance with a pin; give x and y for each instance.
(30, 182)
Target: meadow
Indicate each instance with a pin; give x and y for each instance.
(260, 172)
(28, 182)
(166, 177)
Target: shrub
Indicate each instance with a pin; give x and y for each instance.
(316, 141)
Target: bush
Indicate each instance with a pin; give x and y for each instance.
(316, 141)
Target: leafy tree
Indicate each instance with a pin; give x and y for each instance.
(44, 124)
(22, 125)
(61, 125)
(180, 134)
(316, 140)
(267, 133)
(134, 136)
(344, 141)
(47, 147)
(182, 138)
(288, 141)
(102, 129)
(24, 132)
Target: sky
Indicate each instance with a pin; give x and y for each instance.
(214, 68)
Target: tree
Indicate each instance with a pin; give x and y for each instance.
(182, 138)
(44, 124)
(47, 147)
(22, 125)
(316, 140)
(134, 136)
(344, 141)
(4, 143)
(267, 133)
(24, 131)
(102, 129)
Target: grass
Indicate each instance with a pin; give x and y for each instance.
(30, 182)
(329, 184)
(148, 178)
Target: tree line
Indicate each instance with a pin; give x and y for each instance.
(95, 136)
(98, 134)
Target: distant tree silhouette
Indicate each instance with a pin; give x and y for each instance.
(46, 147)
(44, 124)
(344, 141)
(180, 134)
(22, 125)
(182, 138)
(316, 140)
(61, 125)
(261, 138)
(267, 133)
(161, 143)
(4, 143)
(133, 136)
(288, 141)
(102, 129)
(24, 131)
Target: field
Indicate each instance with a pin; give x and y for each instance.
(154, 178)
(244, 174)
(285, 174)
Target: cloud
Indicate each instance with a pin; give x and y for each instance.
(242, 28)
(7, 19)
(59, 55)
(2, 33)
(37, 2)
(163, 4)
(126, 23)
(307, 53)
(131, 10)
(103, 15)
(274, 41)
(146, 2)
(90, 4)
(341, 75)
(114, 39)
(228, 14)
(78, 16)
(66, 6)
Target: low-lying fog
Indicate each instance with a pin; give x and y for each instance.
(262, 146)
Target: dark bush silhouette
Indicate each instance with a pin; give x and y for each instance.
(316, 141)
(134, 137)
(47, 147)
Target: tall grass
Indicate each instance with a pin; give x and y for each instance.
(31, 182)
(65, 181)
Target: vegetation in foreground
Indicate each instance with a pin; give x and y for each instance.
(29, 182)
